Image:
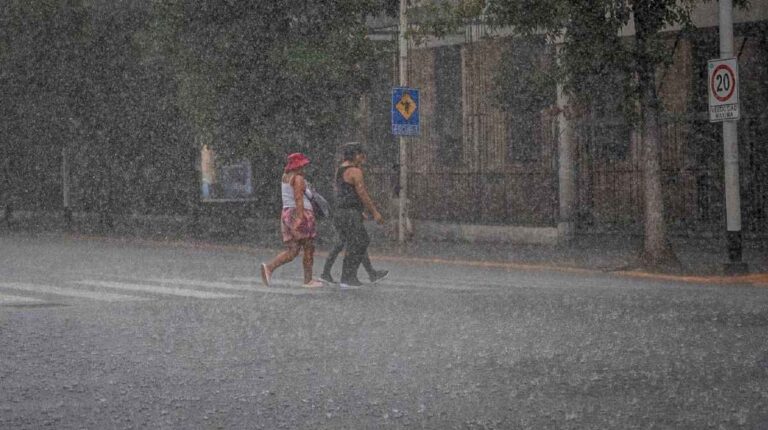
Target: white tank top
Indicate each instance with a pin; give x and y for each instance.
(288, 199)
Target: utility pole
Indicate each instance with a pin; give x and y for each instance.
(566, 158)
(731, 156)
(66, 177)
(5, 191)
(402, 213)
(65, 187)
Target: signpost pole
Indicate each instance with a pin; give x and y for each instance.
(566, 156)
(403, 66)
(66, 177)
(731, 156)
(65, 191)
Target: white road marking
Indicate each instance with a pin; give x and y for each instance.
(428, 285)
(275, 282)
(69, 292)
(243, 279)
(400, 284)
(144, 288)
(287, 283)
(199, 283)
(9, 299)
(250, 287)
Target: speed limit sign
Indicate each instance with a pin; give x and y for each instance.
(723, 86)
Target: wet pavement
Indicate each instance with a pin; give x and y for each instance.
(115, 333)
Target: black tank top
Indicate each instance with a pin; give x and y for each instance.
(346, 196)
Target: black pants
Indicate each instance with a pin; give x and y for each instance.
(349, 226)
(366, 263)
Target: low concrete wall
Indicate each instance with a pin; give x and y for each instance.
(429, 230)
(267, 230)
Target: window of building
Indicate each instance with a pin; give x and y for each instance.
(523, 138)
(610, 132)
(448, 106)
(524, 87)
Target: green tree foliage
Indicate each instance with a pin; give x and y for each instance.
(75, 77)
(526, 83)
(39, 42)
(262, 79)
(133, 88)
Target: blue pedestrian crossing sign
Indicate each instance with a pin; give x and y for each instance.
(405, 111)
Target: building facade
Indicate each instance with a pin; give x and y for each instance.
(483, 160)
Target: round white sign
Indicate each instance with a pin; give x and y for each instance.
(722, 83)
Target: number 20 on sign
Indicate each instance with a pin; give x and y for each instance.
(723, 88)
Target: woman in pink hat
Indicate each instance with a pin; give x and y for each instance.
(297, 222)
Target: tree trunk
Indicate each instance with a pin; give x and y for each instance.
(105, 196)
(656, 249)
(6, 193)
(193, 191)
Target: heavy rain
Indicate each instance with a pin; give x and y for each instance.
(354, 214)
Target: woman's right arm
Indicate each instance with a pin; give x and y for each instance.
(299, 186)
(355, 177)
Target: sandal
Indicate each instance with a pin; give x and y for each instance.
(266, 275)
(313, 284)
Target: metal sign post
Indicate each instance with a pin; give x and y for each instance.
(405, 122)
(403, 181)
(723, 86)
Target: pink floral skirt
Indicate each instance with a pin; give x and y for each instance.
(307, 229)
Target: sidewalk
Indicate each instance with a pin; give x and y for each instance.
(609, 253)
(700, 260)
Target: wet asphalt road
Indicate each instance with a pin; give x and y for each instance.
(101, 334)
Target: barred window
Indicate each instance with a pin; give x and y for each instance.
(448, 106)
(610, 133)
(524, 87)
(523, 140)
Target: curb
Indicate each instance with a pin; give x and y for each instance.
(753, 279)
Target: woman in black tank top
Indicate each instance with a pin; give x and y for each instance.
(351, 199)
(346, 196)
